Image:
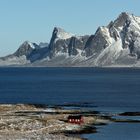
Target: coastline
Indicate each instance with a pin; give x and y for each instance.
(23, 121)
(31, 122)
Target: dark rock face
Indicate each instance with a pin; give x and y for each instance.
(24, 49)
(76, 44)
(69, 45)
(121, 20)
(56, 46)
(97, 42)
(38, 54)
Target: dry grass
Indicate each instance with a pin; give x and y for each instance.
(31, 122)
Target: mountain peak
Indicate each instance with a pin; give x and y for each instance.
(122, 19)
(125, 14)
(29, 44)
(25, 48)
(58, 29)
(61, 33)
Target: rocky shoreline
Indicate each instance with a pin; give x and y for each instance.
(39, 122)
(30, 122)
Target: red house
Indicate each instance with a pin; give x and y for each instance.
(77, 119)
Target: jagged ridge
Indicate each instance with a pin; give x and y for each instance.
(117, 44)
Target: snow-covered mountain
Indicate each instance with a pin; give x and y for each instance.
(117, 44)
(63, 43)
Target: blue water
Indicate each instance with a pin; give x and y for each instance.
(114, 89)
(111, 90)
(117, 131)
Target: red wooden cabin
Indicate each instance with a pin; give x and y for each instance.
(77, 119)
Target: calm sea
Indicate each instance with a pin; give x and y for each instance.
(111, 90)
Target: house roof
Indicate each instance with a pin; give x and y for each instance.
(75, 117)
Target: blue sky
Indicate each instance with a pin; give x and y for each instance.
(34, 20)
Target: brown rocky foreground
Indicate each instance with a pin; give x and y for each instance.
(34, 122)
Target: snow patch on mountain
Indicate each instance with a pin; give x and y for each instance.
(61, 33)
(43, 45)
(110, 54)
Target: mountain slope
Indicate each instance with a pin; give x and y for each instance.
(27, 53)
(117, 44)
